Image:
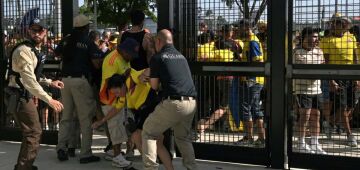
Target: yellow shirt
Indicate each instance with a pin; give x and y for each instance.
(339, 49)
(136, 93)
(253, 54)
(112, 64)
(206, 52)
(223, 55)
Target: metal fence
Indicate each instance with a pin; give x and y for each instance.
(324, 99)
(321, 119)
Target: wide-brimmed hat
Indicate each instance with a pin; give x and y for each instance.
(130, 46)
(81, 21)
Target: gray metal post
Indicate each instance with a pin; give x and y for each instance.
(67, 16)
(165, 14)
(2, 67)
(278, 20)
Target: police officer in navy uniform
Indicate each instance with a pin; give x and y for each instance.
(24, 77)
(79, 54)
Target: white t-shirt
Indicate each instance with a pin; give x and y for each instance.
(302, 56)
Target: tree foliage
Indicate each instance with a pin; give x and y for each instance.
(246, 9)
(117, 12)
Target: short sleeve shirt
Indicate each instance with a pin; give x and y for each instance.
(339, 49)
(302, 56)
(172, 68)
(112, 64)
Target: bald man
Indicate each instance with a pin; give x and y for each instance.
(170, 69)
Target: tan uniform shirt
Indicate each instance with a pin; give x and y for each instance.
(24, 62)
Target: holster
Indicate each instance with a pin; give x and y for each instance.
(12, 99)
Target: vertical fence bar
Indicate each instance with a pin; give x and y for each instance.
(67, 16)
(278, 51)
(2, 67)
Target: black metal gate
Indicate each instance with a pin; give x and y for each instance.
(221, 131)
(15, 15)
(337, 104)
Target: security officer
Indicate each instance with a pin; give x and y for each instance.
(170, 68)
(26, 67)
(78, 53)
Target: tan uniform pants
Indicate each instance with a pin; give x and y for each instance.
(176, 114)
(77, 95)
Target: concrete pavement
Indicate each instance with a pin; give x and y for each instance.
(47, 160)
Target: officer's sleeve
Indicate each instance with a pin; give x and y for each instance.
(23, 64)
(155, 67)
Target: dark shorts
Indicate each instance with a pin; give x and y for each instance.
(345, 96)
(250, 101)
(148, 107)
(307, 101)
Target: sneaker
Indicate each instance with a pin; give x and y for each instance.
(260, 143)
(62, 155)
(327, 129)
(109, 155)
(351, 141)
(89, 159)
(245, 141)
(120, 162)
(305, 148)
(317, 149)
(71, 152)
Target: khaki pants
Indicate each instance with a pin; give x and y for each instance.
(28, 120)
(116, 126)
(77, 97)
(176, 114)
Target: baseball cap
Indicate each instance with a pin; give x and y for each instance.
(131, 46)
(38, 22)
(81, 20)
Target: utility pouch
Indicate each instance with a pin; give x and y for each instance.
(12, 99)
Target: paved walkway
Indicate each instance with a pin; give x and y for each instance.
(47, 160)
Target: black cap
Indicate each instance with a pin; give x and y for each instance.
(39, 22)
(246, 22)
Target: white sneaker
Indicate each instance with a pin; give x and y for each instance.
(120, 162)
(317, 149)
(305, 148)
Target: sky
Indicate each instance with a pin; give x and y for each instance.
(81, 3)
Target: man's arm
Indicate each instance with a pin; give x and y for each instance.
(113, 111)
(154, 83)
(148, 45)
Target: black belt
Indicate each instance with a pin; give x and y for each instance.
(179, 98)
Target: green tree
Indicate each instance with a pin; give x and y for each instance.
(117, 12)
(244, 7)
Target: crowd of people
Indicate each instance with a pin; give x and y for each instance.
(133, 83)
(242, 98)
(137, 86)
